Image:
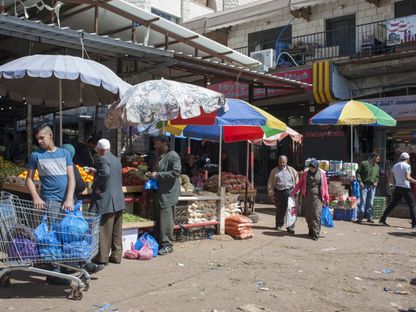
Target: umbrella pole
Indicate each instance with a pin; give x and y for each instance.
(220, 163)
(352, 148)
(247, 171)
(252, 163)
(189, 146)
(60, 113)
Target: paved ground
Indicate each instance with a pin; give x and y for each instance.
(273, 271)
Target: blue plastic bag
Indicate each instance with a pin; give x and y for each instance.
(44, 237)
(150, 241)
(73, 227)
(151, 184)
(77, 250)
(326, 217)
(49, 246)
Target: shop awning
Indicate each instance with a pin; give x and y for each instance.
(187, 66)
(238, 15)
(121, 19)
(300, 4)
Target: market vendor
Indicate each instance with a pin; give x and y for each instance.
(166, 171)
(85, 154)
(228, 165)
(190, 167)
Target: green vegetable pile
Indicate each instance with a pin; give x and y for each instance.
(131, 218)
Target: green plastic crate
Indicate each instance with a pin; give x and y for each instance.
(379, 205)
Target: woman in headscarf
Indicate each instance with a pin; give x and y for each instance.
(313, 186)
(79, 182)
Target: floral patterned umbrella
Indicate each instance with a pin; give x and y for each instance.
(162, 100)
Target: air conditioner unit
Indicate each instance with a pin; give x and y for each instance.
(266, 57)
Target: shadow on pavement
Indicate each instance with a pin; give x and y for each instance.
(27, 286)
(259, 227)
(269, 211)
(403, 234)
(284, 233)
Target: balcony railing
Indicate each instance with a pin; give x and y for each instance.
(352, 42)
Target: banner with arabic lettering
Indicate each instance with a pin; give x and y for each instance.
(399, 107)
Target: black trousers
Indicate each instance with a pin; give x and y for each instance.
(400, 192)
(281, 198)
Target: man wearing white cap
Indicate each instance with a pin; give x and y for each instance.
(401, 172)
(108, 200)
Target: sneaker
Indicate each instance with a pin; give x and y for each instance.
(164, 251)
(315, 237)
(291, 231)
(370, 221)
(383, 222)
(359, 221)
(53, 280)
(278, 227)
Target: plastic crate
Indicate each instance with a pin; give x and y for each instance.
(196, 233)
(345, 214)
(379, 205)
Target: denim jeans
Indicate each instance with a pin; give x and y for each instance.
(367, 200)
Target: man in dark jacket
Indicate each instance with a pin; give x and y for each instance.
(166, 171)
(108, 200)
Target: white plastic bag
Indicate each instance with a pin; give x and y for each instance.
(291, 213)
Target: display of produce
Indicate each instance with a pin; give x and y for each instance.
(134, 161)
(230, 181)
(202, 211)
(232, 205)
(186, 185)
(131, 218)
(238, 226)
(133, 176)
(23, 175)
(86, 176)
(8, 169)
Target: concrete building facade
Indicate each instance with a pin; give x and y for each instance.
(355, 37)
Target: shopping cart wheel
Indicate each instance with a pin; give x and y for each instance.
(76, 293)
(86, 283)
(5, 280)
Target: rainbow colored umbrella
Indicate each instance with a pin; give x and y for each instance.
(353, 113)
(241, 122)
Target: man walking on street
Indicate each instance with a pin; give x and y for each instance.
(56, 173)
(108, 200)
(368, 175)
(281, 181)
(166, 172)
(402, 179)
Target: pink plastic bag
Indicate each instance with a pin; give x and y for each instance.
(145, 253)
(132, 253)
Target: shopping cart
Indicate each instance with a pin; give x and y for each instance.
(22, 248)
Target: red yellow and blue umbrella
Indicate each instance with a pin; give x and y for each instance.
(241, 122)
(353, 113)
